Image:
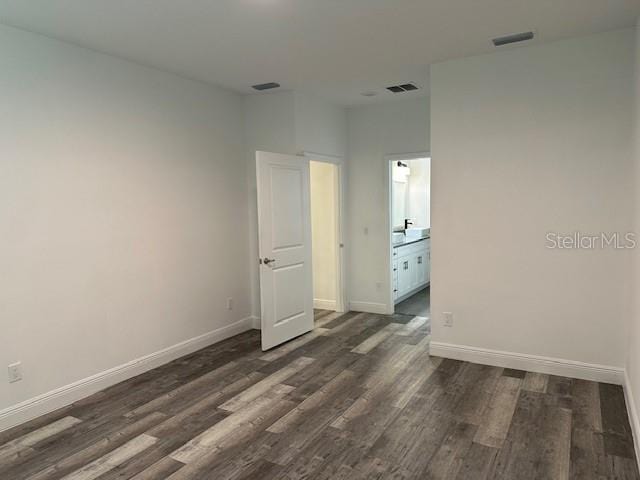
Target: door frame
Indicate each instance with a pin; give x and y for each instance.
(388, 182)
(338, 161)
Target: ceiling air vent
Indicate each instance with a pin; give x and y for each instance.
(515, 38)
(265, 86)
(405, 87)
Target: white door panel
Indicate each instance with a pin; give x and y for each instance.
(284, 221)
(287, 219)
(421, 267)
(404, 275)
(288, 292)
(413, 270)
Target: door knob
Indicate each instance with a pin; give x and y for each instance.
(268, 261)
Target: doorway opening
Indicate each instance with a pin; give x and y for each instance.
(410, 234)
(326, 245)
(286, 245)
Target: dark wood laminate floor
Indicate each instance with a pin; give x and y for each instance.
(359, 398)
(416, 304)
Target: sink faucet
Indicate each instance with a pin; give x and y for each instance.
(407, 222)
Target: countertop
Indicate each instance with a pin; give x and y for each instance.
(409, 242)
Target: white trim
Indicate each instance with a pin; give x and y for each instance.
(323, 304)
(530, 363)
(66, 395)
(323, 157)
(339, 216)
(341, 284)
(370, 307)
(633, 414)
(256, 323)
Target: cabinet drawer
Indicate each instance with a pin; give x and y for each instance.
(409, 249)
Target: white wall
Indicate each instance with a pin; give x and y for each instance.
(411, 193)
(527, 141)
(419, 192)
(289, 123)
(320, 126)
(123, 212)
(375, 131)
(633, 357)
(323, 233)
(399, 195)
(269, 121)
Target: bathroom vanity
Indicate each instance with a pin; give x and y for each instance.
(411, 265)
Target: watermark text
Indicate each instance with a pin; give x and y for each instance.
(598, 241)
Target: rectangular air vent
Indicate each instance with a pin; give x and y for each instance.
(265, 86)
(405, 87)
(515, 38)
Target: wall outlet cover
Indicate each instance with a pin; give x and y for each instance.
(447, 319)
(15, 372)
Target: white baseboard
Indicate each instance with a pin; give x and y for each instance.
(324, 304)
(66, 395)
(256, 323)
(633, 415)
(530, 363)
(369, 307)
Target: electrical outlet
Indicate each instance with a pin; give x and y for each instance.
(229, 303)
(15, 372)
(447, 319)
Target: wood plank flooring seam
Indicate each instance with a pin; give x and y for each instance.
(360, 398)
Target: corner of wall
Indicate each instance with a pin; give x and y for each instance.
(632, 410)
(632, 367)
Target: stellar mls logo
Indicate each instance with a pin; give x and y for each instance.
(581, 241)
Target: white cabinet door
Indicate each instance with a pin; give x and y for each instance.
(421, 262)
(404, 275)
(427, 266)
(414, 271)
(395, 278)
(412, 268)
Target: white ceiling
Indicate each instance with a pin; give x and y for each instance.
(336, 49)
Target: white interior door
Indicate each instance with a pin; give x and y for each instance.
(284, 225)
